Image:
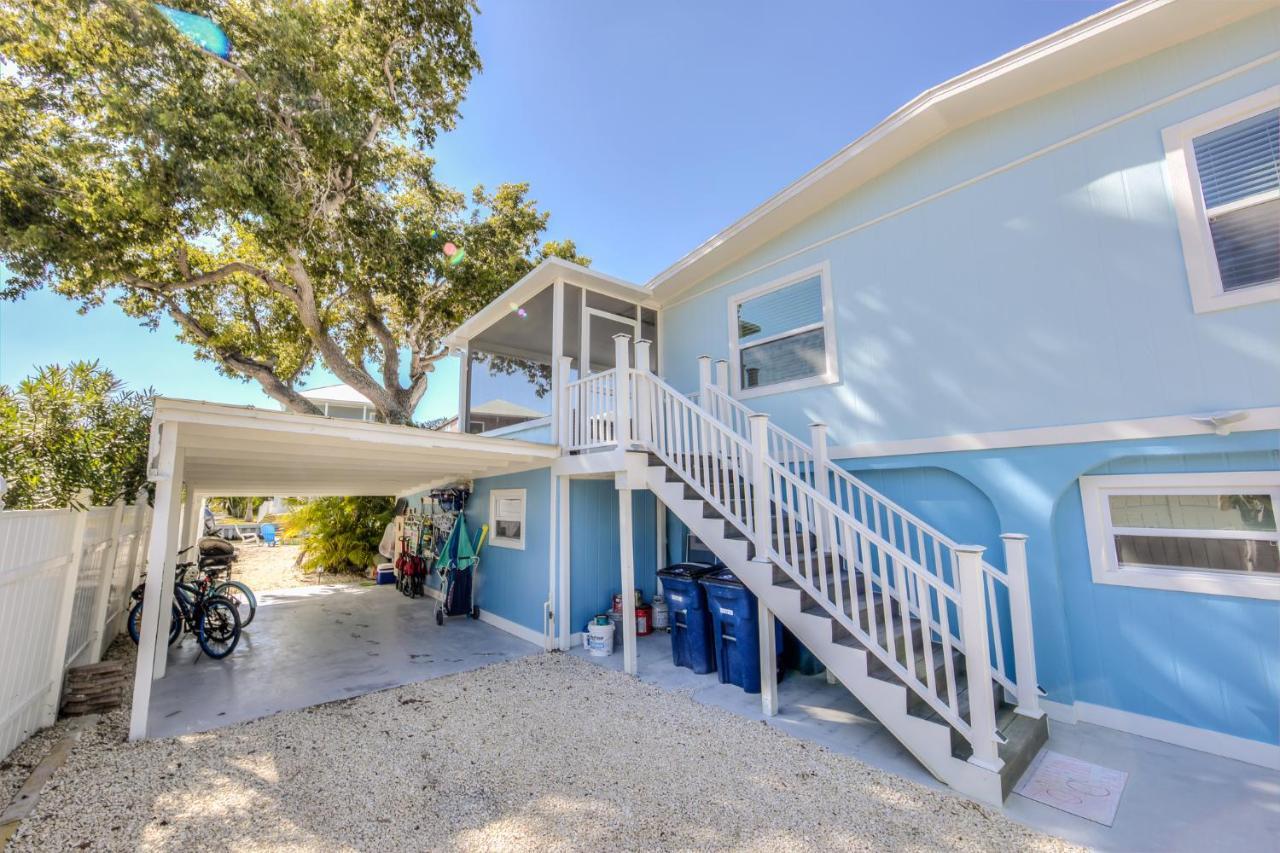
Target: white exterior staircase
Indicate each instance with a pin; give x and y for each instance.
(891, 606)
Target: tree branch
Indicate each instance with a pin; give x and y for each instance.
(272, 385)
(223, 272)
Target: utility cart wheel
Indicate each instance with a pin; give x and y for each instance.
(439, 616)
(475, 613)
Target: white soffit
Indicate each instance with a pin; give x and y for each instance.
(244, 450)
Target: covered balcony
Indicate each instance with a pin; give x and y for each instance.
(552, 328)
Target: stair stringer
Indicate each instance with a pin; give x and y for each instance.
(929, 742)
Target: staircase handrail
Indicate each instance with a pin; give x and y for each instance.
(802, 460)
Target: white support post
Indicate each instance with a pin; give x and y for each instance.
(565, 409)
(1024, 641)
(818, 441)
(626, 557)
(722, 375)
(188, 536)
(66, 604)
(464, 387)
(622, 390)
(559, 374)
(102, 598)
(643, 406)
(564, 561)
(153, 642)
(977, 661)
(760, 485)
(704, 379)
(768, 662)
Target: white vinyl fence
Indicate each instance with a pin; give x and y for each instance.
(65, 579)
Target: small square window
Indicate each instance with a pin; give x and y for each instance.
(1212, 533)
(781, 335)
(506, 518)
(1224, 171)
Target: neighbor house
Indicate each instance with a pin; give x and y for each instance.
(985, 408)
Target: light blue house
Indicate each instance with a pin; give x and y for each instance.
(1019, 349)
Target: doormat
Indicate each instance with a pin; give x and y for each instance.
(1074, 786)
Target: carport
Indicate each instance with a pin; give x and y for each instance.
(213, 449)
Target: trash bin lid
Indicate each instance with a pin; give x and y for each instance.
(721, 577)
(687, 571)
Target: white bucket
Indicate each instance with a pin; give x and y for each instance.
(598, 639)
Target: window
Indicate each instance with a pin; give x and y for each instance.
(1209, 533)
(1224, 171)
(506, 518)
(781, 336)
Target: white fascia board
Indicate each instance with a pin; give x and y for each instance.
(542, 276)
(1116, 36)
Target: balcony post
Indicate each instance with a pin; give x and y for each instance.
(564, 409)
(1024, 643)
(722, 375)
(760, 490)
(643, 400)
(704, 379)
(559, 376)
(622, 389)
(977, 659)
(818, 441)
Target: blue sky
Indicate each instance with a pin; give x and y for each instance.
(644, 128)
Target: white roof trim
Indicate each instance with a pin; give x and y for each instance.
(339, 393)
(538, 279)
(243, 450)
(1099, 43)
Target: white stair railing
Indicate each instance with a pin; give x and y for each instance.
(903, 530)
(589, 409)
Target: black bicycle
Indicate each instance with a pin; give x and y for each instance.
(214, 619)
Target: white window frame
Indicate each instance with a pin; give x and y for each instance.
(495, 497)
(1095, 491)
(827, 324)
(1188, 202)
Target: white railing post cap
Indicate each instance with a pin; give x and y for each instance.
(1014, 537)
(623, 335)
(969, 549)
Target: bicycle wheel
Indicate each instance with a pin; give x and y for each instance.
(135, 623)
(217, 626)
(239, 593)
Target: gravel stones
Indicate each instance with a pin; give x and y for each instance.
(545, 751)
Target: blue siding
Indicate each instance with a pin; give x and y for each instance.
(514, 584)
(594, 572)
(1053, 292)
(1201, 660)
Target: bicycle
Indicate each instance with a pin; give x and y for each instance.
(214, 619)
(213, 564)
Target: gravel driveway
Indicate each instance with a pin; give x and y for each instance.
(546, 751)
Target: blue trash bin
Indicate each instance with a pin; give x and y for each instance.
(735, 629)
(691, 642)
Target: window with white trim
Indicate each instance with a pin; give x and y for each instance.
(781, 335)
(1224, 170)
(1209, 533)
(506, 518)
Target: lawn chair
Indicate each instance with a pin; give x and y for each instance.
(249, 533)
(268, 532)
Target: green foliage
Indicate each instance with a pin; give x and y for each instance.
(72, 428)
(339, 534)
(237, 507)
(280, 206)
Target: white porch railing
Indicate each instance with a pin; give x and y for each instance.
(931, 549)
(65, 579)
(867, 561)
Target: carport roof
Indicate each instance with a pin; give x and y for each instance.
(229, 450)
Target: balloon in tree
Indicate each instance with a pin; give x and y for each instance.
(204, 32)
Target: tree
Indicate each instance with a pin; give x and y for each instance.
(72, 428)
(339, 534)
(278, 204)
